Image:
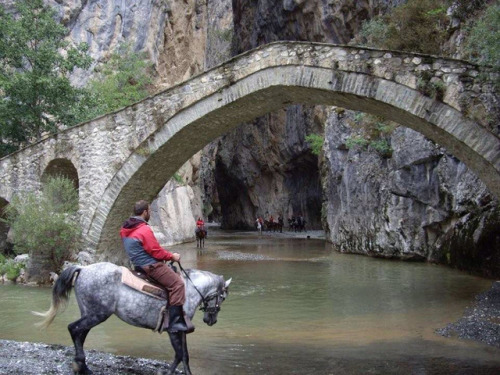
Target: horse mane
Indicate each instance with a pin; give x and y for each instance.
(194, 273)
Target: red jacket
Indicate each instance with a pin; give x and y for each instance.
(141, 244)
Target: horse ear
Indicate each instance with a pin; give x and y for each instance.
(228, 282)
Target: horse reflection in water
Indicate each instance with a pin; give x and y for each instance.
(100, 294)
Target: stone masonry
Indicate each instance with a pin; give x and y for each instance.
(130, 154)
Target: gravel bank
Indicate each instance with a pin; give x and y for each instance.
(25, 358)
(481, 322)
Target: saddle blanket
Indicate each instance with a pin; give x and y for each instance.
(143, 286)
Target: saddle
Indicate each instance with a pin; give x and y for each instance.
(140, 282)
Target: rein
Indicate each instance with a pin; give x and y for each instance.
(204, 300)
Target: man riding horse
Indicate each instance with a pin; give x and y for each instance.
(200, 226)
(148, 256)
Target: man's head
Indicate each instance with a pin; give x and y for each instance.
(142, 208)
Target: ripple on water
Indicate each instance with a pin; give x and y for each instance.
(237, 255)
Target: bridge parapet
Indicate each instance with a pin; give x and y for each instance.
(462, 85)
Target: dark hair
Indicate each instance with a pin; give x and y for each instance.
(140, 207)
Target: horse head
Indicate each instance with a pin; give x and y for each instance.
(212, 302)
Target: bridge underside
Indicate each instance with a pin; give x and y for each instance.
(190, 129)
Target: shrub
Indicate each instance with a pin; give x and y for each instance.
(432, 88)
(373, 132)
(316, 143)
(482, 42)
(177, 177)
(374, 32)
(383, 147)
(10, 268)
(356, 142)
(416, 26)
(463, 9)
(46, 226)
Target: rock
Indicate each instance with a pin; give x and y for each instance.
(22, 258)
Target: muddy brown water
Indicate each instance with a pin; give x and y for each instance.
(295, 307)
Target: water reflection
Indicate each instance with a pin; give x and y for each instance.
(295, 307)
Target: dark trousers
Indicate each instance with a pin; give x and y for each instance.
(166, 276)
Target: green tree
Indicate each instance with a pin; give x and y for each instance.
(35, 62)
(124, 79)
(46, 226)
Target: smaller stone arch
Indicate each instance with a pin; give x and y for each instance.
(61, 168)
(4, 227)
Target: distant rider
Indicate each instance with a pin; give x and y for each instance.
(148, 256)
(200, 226)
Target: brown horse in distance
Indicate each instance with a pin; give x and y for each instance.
(200, 238)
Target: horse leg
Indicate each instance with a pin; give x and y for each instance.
(176, 341)
(78, 331)
(185, 357)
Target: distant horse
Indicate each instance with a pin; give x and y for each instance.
(297, 224)
(200, 238)
(273, 225)
(100, 294)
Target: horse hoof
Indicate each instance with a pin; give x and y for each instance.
(81, 369)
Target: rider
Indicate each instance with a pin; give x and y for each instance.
(148, 256)
(200, 225)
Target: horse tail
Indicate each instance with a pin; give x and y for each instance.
(60, 295)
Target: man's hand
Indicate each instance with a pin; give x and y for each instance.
(176, 257)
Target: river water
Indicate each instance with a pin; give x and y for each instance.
(295, 307)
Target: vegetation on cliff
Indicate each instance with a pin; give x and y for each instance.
(123, 79)
(426, 26)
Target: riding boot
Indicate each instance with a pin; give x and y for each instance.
(176, 322)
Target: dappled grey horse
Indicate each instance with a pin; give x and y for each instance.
(100, 294)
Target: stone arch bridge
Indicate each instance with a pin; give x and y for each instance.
(130, 154)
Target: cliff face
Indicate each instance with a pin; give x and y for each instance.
(422, 203)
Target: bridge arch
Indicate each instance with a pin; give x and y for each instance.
(162, 153)
(61, 167)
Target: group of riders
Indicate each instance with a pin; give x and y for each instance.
(295, 223)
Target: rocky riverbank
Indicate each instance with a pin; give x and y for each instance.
(26, 358)
(481, 322)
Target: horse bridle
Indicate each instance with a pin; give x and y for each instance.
(218, 296)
